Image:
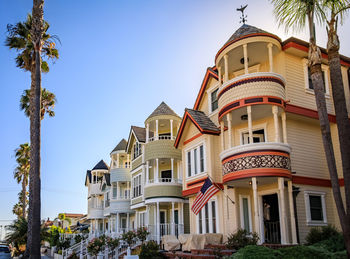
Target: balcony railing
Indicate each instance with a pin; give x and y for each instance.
(165, 180)
(160, 138)
(166, 229)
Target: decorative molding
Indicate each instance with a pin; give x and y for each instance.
(304, 180)
(307, 112)
(192, 138)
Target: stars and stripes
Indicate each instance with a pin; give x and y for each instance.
(207, 191)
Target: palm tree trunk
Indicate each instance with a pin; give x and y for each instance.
(343, 124)
(24, 194)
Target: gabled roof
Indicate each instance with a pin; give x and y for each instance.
(162, 109)
(140, 135)
(100, 166)
(121, 146)
(211, 73)
(88, 176)
(203, 123)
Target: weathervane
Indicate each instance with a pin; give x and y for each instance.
(243, 17)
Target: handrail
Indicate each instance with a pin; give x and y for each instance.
(161, 138)
(165, 180)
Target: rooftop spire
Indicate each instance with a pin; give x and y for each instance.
(243, 17)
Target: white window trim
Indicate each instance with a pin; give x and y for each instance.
(325, 69)
(209, 91)
(310, 222)
(210, 216)
(132, 185)
(249, 211)
(255, 127)
(190, 149)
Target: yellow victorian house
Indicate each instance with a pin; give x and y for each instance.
(254, 129)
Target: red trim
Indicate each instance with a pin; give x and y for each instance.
(314, 181)
(256, 173)
(193, 138)
(306, 49)
(197, 181)
(195, 190)
(208, 74)
(307, 112)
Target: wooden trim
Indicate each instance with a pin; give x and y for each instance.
(197, 181)
(195, 190)
(307, 112)
(258, 172)
(207, 76)
(193, 138)
(256, 153)
(314, 181)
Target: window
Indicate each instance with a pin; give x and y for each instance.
(315, 208)
(214, 100)
(195, 161)
(136, 186)
(137, 150)
(114, 191)
(308, 82)
(245, 213)
(142, 219)
(206, 219)
(258, 136)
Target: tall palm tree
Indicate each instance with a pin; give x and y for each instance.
(21, 173)
(297, 14)
(31, 40)
(48, 101)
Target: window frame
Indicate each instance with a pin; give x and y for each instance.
(241, 197)
(209, 93)
(256, 127)
(309, 221)
(136, 186)
(191, 150)
(325, 69)
(201, 221)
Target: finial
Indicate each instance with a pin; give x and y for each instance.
(243, 17)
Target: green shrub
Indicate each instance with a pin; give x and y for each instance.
(77, 239)
(241, 239)
(304, 252)
(316, 235)
(150, 250)
(332, 244)
(255, 252)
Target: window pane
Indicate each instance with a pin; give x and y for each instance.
(189, 164)
(207, 218)
(316, 207)
(201, 158)
(245, 214)
(195, 161)
(213, 211)
(214, 100)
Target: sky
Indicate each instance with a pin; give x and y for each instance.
(118, 61)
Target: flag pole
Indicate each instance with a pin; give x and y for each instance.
(212, 180)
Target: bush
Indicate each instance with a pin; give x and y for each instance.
(77, 239)
(73, 256)
(150, 250)
(112, 243)
(332, 244)
(303, 252)
(142, 234)
(241, 239)
(255, 252)
(316, 235)
(95, 246)
(129, 237)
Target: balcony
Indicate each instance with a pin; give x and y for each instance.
(96, 211)
(251, 89)
(253, 160)
(163, 189)
(94, 188)
(162, 148)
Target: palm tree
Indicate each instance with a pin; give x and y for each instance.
(48, 101)
(62, 217)
(296, 14)
(31, 40)
(21, 173)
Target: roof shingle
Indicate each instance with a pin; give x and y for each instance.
(204, 122)
(100, 166)
(121, 145)
(163, 109)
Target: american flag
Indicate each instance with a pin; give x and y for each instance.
(207, 191)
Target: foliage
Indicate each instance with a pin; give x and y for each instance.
(78, 238)
(73, 256)
(241, 239)
(95, 246)
(63, 243)
(318, 234)
(112, 243)
(142, 234)
(48, 101)
(54, 237)
(150, 249)
(17, 233)
(129, 237)
(303, 252)
(254, 252)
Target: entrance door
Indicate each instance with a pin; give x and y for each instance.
(162, 221)
(272, 229)
(123, 224)
(176, 220)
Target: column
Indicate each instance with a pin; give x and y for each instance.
(269, 47)
(127, 221)
(210, 216)
(117, 223)
(245, 55)
(172, 218)
(147, 132)
(284, 127)
(156, 176)
(219, 75)
(147, 172)
(158, 223)
(222, 128)
(250, 130)
(181, 219)
(155, 221)
(275, 121)
(226, 68)
(256, 207)
(128, 188)
(204, 215)
(118, 164)
(156, 136)
(128, 160)
(171, 129)
(283, 211)
(172, 169)
(292, 215)
(96, 226)
(118, 191)
(229, 122)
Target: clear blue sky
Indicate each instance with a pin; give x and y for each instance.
(118, 61)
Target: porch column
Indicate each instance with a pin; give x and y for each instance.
(172, 169)
(147, 171)
(210, 216)
(284, 127)
(128, 160)
(118, 191)
(118, 165)
(275, 121)
(269, 47)
(136, 219)
(147, 132)
(156, 176)
(292, 215)
(128, 188)
(226, 68)
(219, 75)
(172, 218)
(171, 129)
(158, 223)
(256, 207)
(229, 121)
(245, 55)
(283, 211)
(127, 221)
(156, 137)
(250, 127)
(181, 220)
(117, 223)
(96, 226)
(204, 215)
(222, 128)
(155, 221)
(179, 176)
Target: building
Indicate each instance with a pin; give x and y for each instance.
(156, 194)
(254, 130)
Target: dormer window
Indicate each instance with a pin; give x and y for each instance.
(214, 99)
(137, 149)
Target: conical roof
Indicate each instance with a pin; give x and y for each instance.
(100, 166)
(121, 146)
(245, 30)
(162, 109)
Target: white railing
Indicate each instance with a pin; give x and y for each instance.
(115, 165)
(161, 138)
(165, 229)
(165, 180)
(124, 197)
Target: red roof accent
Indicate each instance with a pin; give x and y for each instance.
(210, 73)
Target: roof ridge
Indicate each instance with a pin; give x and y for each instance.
(163, 109)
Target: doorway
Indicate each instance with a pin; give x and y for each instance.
(162, 221)
(271, 219)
